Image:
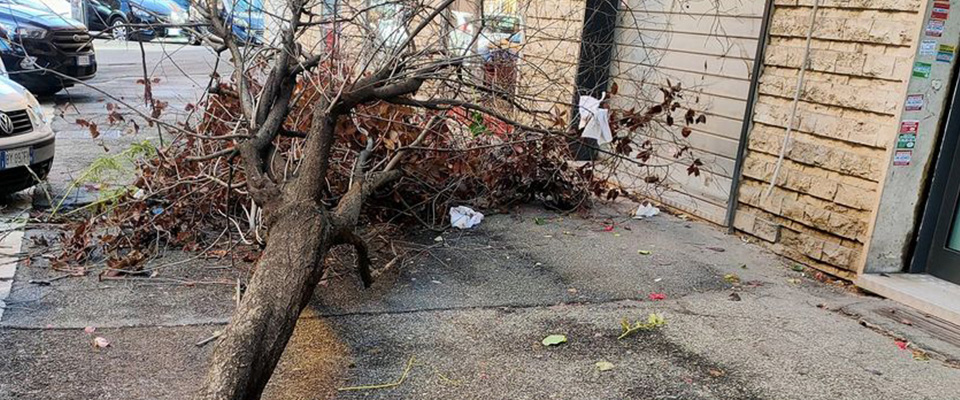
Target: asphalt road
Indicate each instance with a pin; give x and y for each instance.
(181, 73)
(471, 312)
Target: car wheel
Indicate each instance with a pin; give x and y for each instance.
(120, 30)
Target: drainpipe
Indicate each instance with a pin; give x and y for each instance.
(596, 56)
(748, 115)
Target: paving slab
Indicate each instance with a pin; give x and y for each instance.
(185, 291)
(155, 363)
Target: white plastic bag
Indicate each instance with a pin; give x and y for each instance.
(464, 217)
(646, 210)
(595, 120)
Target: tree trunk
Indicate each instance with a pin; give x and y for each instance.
(286, 275)
(300, 233)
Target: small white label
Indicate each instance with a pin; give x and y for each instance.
(928, 47)
(902, 158)
(914, 102)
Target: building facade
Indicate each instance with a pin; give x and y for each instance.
(831, 139)
(831, 133)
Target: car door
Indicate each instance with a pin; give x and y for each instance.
(96, 19)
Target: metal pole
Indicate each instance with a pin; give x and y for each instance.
(597, 41)
(748, 115)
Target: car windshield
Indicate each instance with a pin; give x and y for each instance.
(34, 4)
(245, 6)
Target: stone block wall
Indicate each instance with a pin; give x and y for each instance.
(819, 212)
(551, 52)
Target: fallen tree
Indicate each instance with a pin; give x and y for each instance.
(308, 144)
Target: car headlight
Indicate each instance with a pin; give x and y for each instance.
(30, 33)
(36, 110)
(142, 14)
(10, 28)
(16, 31)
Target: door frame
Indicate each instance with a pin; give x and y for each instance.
(938, 184)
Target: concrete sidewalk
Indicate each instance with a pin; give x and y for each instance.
(471, 311)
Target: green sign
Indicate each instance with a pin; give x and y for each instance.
(906, 140)
(922, 69)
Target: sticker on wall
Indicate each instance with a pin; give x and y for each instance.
(911, 126)
(936, 84)
(928, 47)
(945, 53)
(941, 11)
(907, 141)
(902, 158)
(922, 69)
(935, 28)
(914, 102)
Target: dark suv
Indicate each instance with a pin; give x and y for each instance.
(48, 52)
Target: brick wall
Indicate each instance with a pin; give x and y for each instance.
(861, 55)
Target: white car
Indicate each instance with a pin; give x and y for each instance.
(26, 139)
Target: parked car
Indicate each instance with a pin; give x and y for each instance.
(122, 18)
(246, 20)
(45, 52)
(244, 16)
(26, 139)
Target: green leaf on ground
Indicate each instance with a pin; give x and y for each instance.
(644, 252)
(798, 268)
(604, 366)
(654, 321)
(540, 220)
(554, 340)
(731, 278)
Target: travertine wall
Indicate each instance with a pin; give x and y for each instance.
(862, 52)
(551, 52)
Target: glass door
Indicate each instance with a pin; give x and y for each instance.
(944, 259)
(938, 246)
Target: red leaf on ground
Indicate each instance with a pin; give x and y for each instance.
(657, 296)
(901, 344)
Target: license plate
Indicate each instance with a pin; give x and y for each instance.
(15, 158)
(173, 32)
(84, 61)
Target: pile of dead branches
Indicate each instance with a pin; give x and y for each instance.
(192, 193)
